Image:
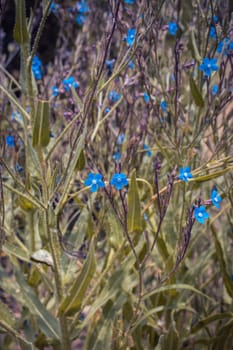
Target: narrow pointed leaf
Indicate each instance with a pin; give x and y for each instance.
(198, 99)
(74, 298)
(41, 132)
(21, 35)
(134, 219)
(47, 323)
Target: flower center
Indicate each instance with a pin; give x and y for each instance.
(200, 215)
(185, 174)
(209, 65)
(118, 179)
(94, 182)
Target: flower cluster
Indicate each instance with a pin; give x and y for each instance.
(172, 28)
(37, 68)
(94, 181)
(200, 213)
(83, 10)
(70, 82)
(130, 38)
(114, 96)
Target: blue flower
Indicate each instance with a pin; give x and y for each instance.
(69, 82)
(114, 96)
(18, 168)
(94, 181)
(185, 174)
(215, 198)
(147, 149)
(215, 19)
(55, 90)
(130, 36)
(119, 181)
(146, 97)
(163, 105)
(172, 28)
(10, 141)
(54, 7)
(200, 214)
(208, 65)
(129, 2)
(82, 7)
(214, 89)
(37, 68)
(116, 155)
(213, 33)
(80, 19)
(131, 65)
(121, 139)
(110, 64)
(107, 110)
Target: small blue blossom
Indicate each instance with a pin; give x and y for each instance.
(215, 198)
(225, 46)
(121, 139)
(208, 65)
(130, 36)
(119, 181)
(147, 149)
(107, 110)
(131, 64)
(214, 89)
(18, 168)
(16, 116)
(200, 214)
(54, 7)
(172, 28)
(185, 174)
(146, 97)
(82, 7)
(146, 217)
(94, 181)
(114, 96)
(110, 64)
(55, 90)
(213, 33)
(215, 19)
(69, 82)
(37, 68)
(163, 105)
(116, 156)
(10, 141)
(80, 19)
(129, 2)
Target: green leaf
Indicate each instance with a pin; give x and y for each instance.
(134, 218)
(198, 99)
(193, 47)
(41, 131)
(8, 323)
(48, 324)
(213, 318)
(226, 278)
(21, 35)
(71, 169)
(72, 302)
(16, 251)
(175, 286)
(114, 229)
(6, 315)
(77, 100)
(81, 162)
